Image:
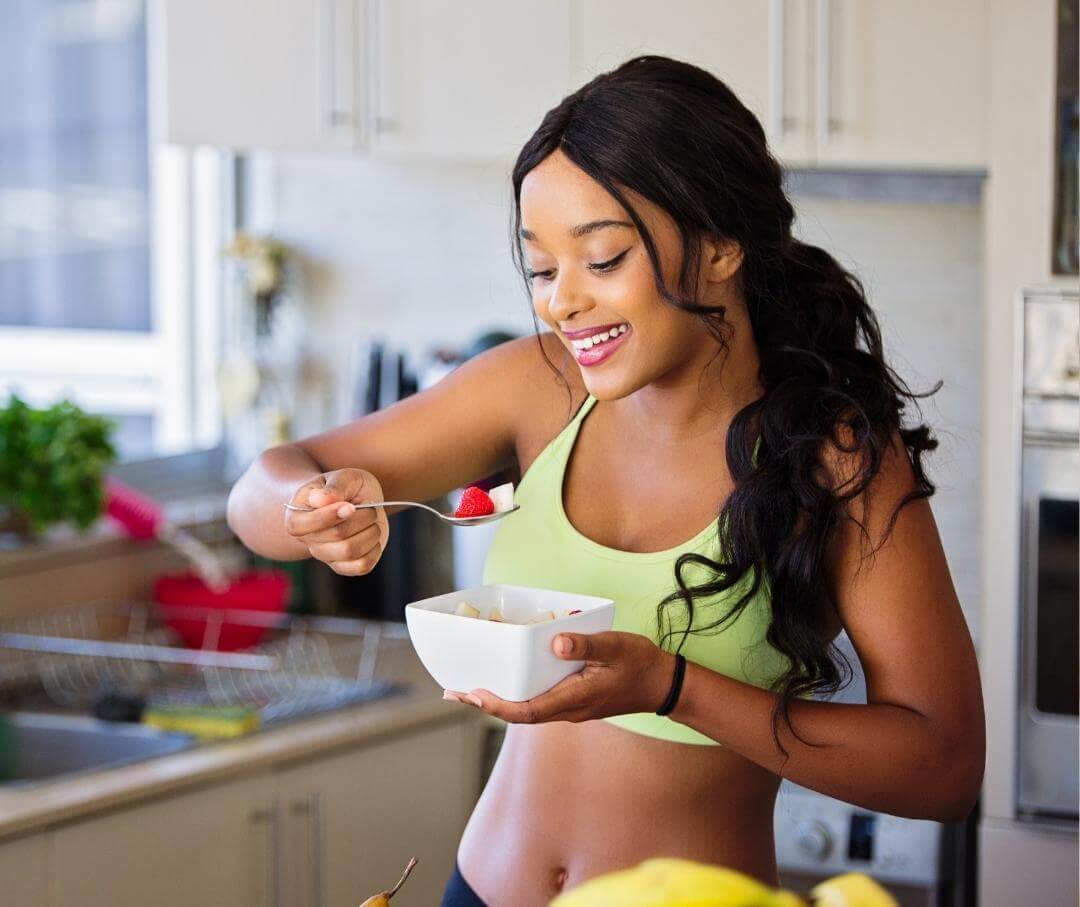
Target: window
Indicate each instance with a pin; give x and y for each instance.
(110, 275)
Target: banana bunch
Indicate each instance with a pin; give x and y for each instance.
(670, 882)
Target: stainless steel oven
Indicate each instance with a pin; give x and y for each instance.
(1047, 728)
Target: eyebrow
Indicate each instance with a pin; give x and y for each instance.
(583, 229)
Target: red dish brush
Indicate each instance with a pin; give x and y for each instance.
(142, 518)
(187, 599)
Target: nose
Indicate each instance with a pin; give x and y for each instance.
(567, 299)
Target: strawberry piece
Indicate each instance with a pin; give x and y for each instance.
(474, 502)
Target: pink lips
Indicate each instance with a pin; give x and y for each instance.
(601, 351)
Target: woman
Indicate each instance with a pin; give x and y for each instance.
(702, 369)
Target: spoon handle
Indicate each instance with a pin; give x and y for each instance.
(456, 521)
(369, 505)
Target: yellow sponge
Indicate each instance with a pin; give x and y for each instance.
(205, 722)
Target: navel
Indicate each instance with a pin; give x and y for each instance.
(558, 879)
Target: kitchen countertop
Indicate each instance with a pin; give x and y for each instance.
(31, 809)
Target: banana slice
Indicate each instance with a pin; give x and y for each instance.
(464, 609)
(502, 496)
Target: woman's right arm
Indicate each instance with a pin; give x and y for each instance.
(458, 431)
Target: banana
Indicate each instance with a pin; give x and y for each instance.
(671, 882)
(851, 890)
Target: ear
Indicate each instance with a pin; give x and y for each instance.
(720, 258)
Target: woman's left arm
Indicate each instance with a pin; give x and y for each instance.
(917, 747)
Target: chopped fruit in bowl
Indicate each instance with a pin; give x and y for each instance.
(474, 502)
(467, 609)
(506, 644)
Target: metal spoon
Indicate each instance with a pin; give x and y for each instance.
(454, 520)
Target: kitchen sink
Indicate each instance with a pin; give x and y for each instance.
(57, 670)
(39, 747)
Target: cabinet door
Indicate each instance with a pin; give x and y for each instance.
(356, 818)
(24, 871)
(901, 84)
(759, 50)
(469, 80)
(259, 73)
(211, 846)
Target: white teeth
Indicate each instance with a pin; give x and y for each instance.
(587, 343)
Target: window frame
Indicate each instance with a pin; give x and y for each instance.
(170, 371)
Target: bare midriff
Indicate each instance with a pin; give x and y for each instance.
(569, 801)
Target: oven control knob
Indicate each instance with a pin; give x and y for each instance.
(813, 840)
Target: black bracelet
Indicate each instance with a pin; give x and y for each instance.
(676, 686)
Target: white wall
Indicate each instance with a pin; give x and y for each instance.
(920, 265)
(420, 253)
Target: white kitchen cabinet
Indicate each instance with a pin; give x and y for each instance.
(901, 84)
(758, 49)
(214, 845)
(284, 74)
(851, 83)
(469, 80)
(24, 871)
(351, 821)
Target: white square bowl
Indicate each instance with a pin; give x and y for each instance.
(513, 660)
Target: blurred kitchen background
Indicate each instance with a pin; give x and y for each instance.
(225, 224)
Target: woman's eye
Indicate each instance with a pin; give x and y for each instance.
(602, 267)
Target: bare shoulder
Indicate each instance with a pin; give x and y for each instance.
(882, 503)
(537, 387)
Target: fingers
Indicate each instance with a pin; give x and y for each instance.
(350, 541)
(359, 566)
(351, 549)
(599, 648)
(324, 515)
(355, 522)
(341, 485)
(563, 702)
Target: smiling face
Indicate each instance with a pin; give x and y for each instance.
(593, 285)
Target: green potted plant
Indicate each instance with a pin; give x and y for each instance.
(52, 466)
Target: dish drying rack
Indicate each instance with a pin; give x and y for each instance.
(70, 657)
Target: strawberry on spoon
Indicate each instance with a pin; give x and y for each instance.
(474, 502)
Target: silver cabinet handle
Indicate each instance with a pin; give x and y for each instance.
(270, 817)
(781, 122)
(315, 818)
(377, 122)
(826, 122)
(311, 809)
(336, 115)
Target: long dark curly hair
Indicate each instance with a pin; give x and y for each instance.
(678, 136)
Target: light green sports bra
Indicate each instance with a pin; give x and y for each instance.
(538, 546)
